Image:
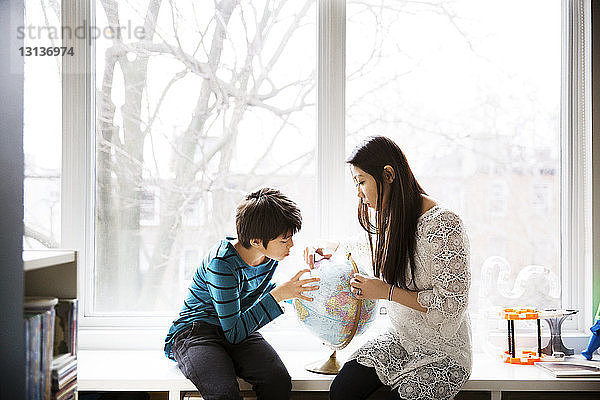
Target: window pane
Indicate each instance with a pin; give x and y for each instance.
(202, 104)
(470, 90)
(42, 126)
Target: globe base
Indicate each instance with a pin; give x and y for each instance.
(330, 367)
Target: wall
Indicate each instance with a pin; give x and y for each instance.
(12, 354)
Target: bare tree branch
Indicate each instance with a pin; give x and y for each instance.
(44, 239)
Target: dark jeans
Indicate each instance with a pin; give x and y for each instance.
(213, 364)
(356, 382)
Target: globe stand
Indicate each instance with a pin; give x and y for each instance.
(330, 367)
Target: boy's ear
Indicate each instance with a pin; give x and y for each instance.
(389, 174)
(256, 243)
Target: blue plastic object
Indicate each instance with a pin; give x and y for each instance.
(594, 341)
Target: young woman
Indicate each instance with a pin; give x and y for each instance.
(420, 256)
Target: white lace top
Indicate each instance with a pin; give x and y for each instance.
(440, 337)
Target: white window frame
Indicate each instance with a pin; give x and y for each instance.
(576, 166)
(78, 179)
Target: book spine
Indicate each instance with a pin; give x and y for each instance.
(65, 381)
(40, 351)
(48, 353)
(63, 340)
(66, 391)
(27, 326)
(36, 357)
(64, 373)
(74, 326)
(60, 374)
(65, 368)
(43, 335)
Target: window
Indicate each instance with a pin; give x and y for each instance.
(209, 103)
(189, 263)
(42, 127)
(471, 91)
(149, 207)
(542, 197)
(496, 246)
(497, 198)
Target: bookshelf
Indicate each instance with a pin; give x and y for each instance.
(53, 273)
(50, 273)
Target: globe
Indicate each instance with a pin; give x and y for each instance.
(335, 315)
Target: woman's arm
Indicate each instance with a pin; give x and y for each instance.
(448, 299)
(407, 298)
(375, 288)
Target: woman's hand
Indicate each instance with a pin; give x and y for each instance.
(310, 254)
(365, 287)
(294, 288)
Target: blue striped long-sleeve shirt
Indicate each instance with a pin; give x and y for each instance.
(227, 292)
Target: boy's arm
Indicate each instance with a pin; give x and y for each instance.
(224, 289)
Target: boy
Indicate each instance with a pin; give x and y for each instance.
(215, 338)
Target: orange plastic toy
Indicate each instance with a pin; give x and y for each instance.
(522, 357)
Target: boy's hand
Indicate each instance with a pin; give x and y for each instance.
(310, 254)
(294, 288)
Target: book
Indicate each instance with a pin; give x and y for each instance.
(60, 359)
(64, 372)
(27, 329)
(64, 366)
(568, 369)
(65, 335)
(33, 350)
(67, 392)
(47, 352)
(58, 385)
(74, 325)
(45, 307)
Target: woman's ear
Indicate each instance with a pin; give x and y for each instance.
(389, 174)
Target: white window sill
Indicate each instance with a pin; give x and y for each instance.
(151, 371)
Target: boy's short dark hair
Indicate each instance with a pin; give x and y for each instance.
(265, 214)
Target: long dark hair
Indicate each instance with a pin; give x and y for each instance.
(395, 225)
